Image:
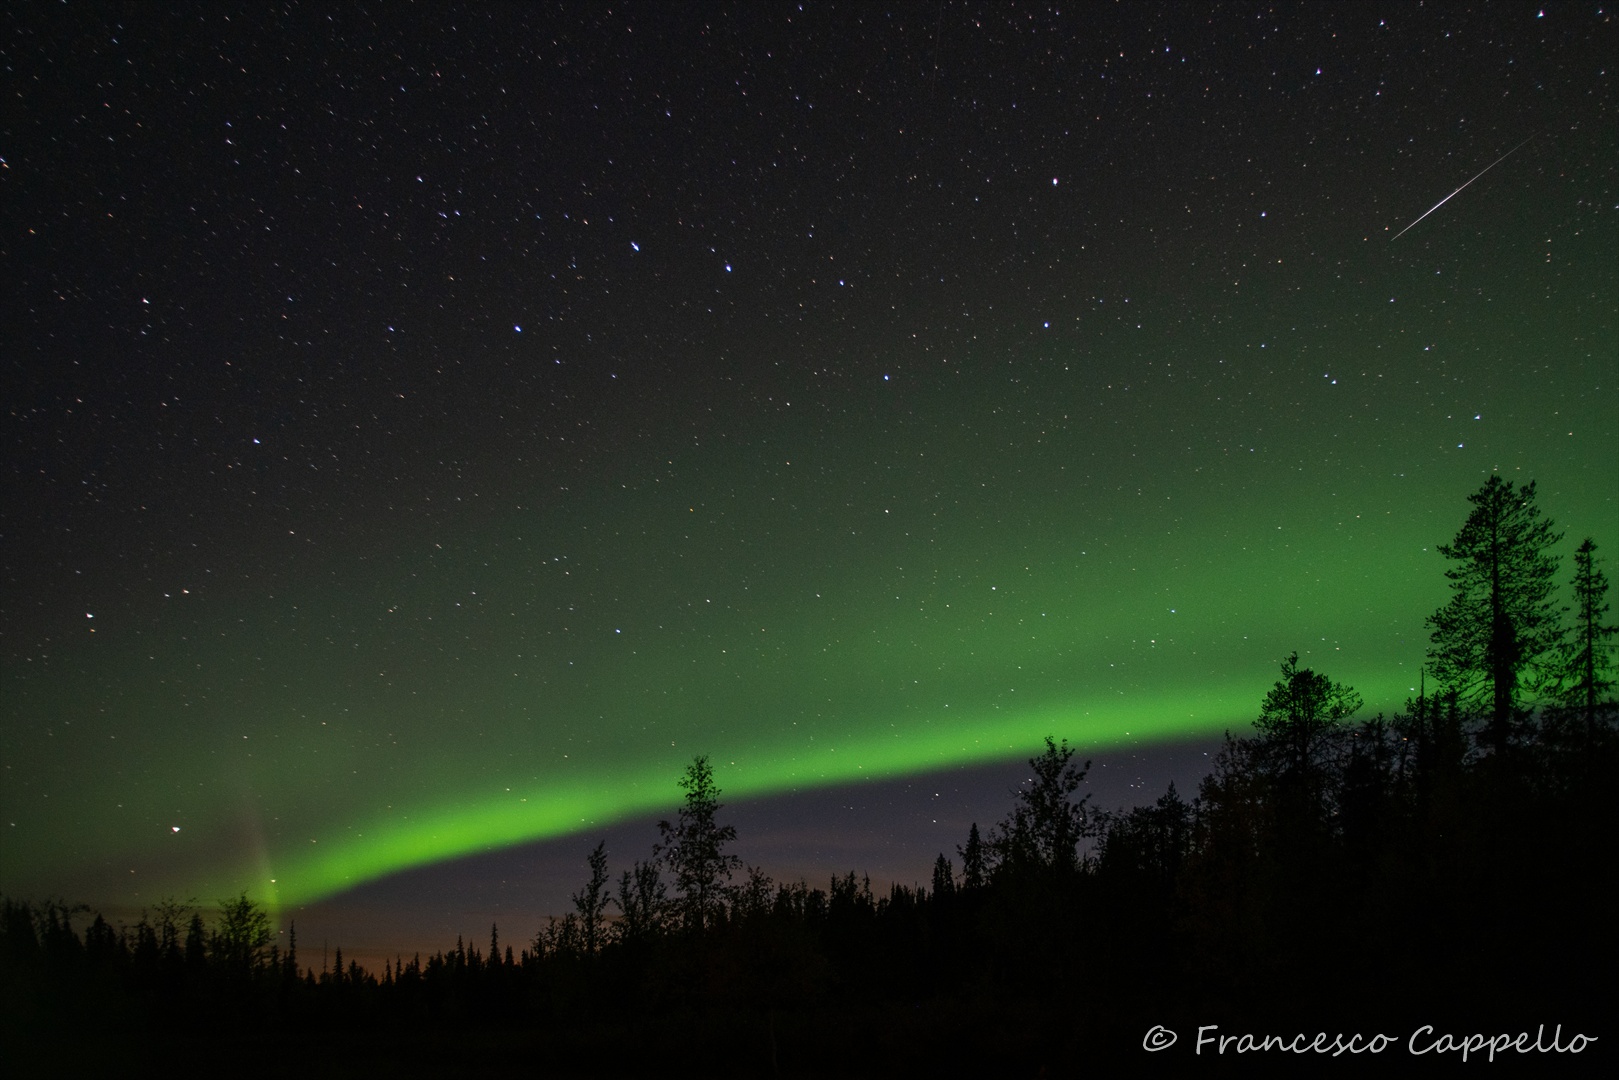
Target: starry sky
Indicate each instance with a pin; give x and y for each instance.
(427, 427)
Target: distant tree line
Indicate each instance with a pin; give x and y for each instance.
(1456, 859)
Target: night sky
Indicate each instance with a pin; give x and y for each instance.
(428, 428)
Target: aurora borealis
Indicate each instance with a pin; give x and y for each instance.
(428, 429)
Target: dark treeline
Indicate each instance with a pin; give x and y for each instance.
(1450, 864)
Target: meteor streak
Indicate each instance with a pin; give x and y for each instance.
(1458, 191)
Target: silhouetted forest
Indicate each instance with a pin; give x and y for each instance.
(1452, 864)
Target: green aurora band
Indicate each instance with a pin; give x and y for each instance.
(544, 672)
(807, 602)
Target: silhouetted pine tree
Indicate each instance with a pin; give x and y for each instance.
(1493, 641)
(1301, 731)
(944, 880)
(1585, 695)
(972, 861)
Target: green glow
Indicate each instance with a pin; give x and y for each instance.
(445, 831)
(338, 734)
(1109, 536)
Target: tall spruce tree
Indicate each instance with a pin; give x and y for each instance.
(1587, 690)
(1499, 634)
(972, 861)
(944, 878)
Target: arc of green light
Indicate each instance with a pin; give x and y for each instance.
(459, 829)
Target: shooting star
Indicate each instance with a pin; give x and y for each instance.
(1459, 190)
